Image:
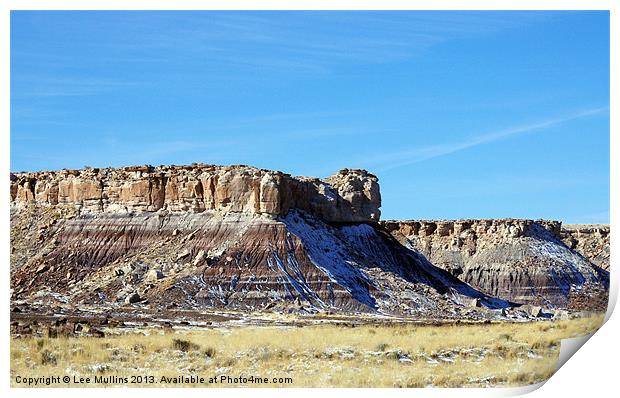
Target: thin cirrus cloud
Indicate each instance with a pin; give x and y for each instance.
(392, 160)
(292, 42)
(67, 87)
(272, 41)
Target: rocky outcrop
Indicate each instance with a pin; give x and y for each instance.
(591, 240)
(238, 237)
(230, 260)
(520, 260)
(348, 196)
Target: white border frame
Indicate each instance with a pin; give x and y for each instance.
(592, 372)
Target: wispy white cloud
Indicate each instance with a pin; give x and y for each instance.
(275, 41)
(69, 86)
(391, 160)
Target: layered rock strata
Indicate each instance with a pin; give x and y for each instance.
(233, 261)
(238, 237)
(348, 196)
(591, 240)
(519, 260)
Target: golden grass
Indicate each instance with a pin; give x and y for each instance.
(505, 354)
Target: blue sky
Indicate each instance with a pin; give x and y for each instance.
(460, 114)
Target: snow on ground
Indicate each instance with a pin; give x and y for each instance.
(331, 255)
(568, 268)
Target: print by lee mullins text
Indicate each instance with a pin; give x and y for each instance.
(591, 370)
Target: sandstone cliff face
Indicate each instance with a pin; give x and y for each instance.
(519, 260)
(348, 196)
(592, 241)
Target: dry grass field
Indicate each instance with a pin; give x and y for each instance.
(499, 354)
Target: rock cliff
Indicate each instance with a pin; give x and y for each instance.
(520, 260)
(591, 240)
(238, 237)
(348, 196)
(233, 237)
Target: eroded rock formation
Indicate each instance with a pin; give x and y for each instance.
(230, 260)
(238, 237)
(520, 260)
(591, 240)
(348, 196)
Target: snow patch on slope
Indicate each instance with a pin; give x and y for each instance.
(568, 268)
(411, 265)
(294, 276)
(331, 255)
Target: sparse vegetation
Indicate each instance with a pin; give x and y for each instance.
(48, 358)
(184, 345)
(209, 352)
(382, 346)
(505, 354)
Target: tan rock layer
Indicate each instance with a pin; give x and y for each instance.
(462, 229)
(521, 260)
(348, 196)
(591, 240)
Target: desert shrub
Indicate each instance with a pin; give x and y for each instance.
(184, 345)
(284, 354)
(210, 352)
(118, 355)
(382, 346)
(415, 383)
(501, 349)
(447, 380)
(542, 344)
(48, 358)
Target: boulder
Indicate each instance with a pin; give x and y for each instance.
(154, 275)
(474, 302)
(199, 257)
(133, 298)
(536, 311)
(182, 254)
